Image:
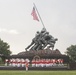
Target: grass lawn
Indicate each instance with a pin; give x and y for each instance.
(18, 72)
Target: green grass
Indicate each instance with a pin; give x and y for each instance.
(18, 72)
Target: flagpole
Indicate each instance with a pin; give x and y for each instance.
(39, 15)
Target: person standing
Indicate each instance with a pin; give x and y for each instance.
(27, 64)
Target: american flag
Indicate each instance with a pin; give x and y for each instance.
(35, 17)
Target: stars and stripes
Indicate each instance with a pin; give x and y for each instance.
(34, 14)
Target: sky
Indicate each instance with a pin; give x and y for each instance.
(18, 28)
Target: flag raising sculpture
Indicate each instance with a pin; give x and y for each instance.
(42, 40)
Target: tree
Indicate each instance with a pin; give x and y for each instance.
(71, 52)
(4, 48)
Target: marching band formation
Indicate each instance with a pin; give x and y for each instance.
(34, 63)
(16, 62)
(47, 62)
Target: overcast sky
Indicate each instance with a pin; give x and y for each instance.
(18, 28)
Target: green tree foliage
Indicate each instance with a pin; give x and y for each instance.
(71, 52)
(4, 48)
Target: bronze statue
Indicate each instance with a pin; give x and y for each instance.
(42, 40)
